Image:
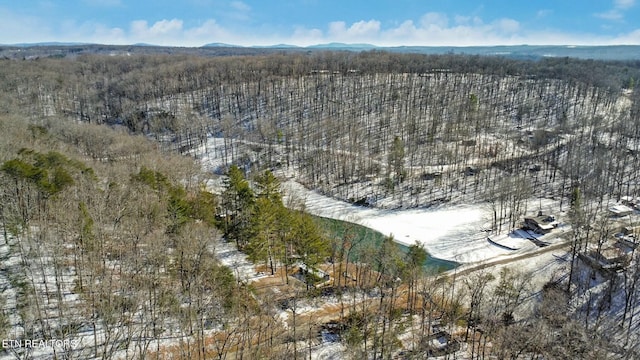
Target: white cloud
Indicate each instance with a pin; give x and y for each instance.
(544, 13)
(358, 31)
(613, 15)
(434, 29)
(173, 32)
(364, 28)
(117, 35)
(632, 38)
(16, 28)
(141, 29)
(431, 29)
(616, 13)
(240, 6)
(304, 36)
(468, 20)
(405, 30)
(166, 26)
(507, 26)
(434, 19)
(237, 11)
(209, 31)
(470, 32)
(337, 27)
(624, 4)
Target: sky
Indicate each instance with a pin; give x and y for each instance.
(307, 22)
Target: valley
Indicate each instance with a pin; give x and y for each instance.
(321, 205)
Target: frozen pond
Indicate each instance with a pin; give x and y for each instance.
(452, 233)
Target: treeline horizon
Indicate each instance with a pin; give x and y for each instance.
(109, 231)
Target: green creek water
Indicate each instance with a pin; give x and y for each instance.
(364, 237)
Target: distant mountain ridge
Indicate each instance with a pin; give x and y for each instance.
(345, 46)
(596, 52)
(220, 45)
(602, 52)
(50, 43)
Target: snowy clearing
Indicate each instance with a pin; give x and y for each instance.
(454, 233)
(243, 269)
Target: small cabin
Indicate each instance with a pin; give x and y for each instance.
(312, 276)
(608, 258)
(632, 202)
(620, 210)
(542, 224)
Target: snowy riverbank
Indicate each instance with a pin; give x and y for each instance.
(453, 233)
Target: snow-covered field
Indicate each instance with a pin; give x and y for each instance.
(454, 233)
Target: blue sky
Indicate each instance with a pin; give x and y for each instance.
(307, 22)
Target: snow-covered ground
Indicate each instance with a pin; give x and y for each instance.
(242, 268)
(454, 233)
(449, 232)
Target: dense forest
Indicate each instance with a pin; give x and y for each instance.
(112, 238)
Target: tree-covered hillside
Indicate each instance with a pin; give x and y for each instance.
(114, 240)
